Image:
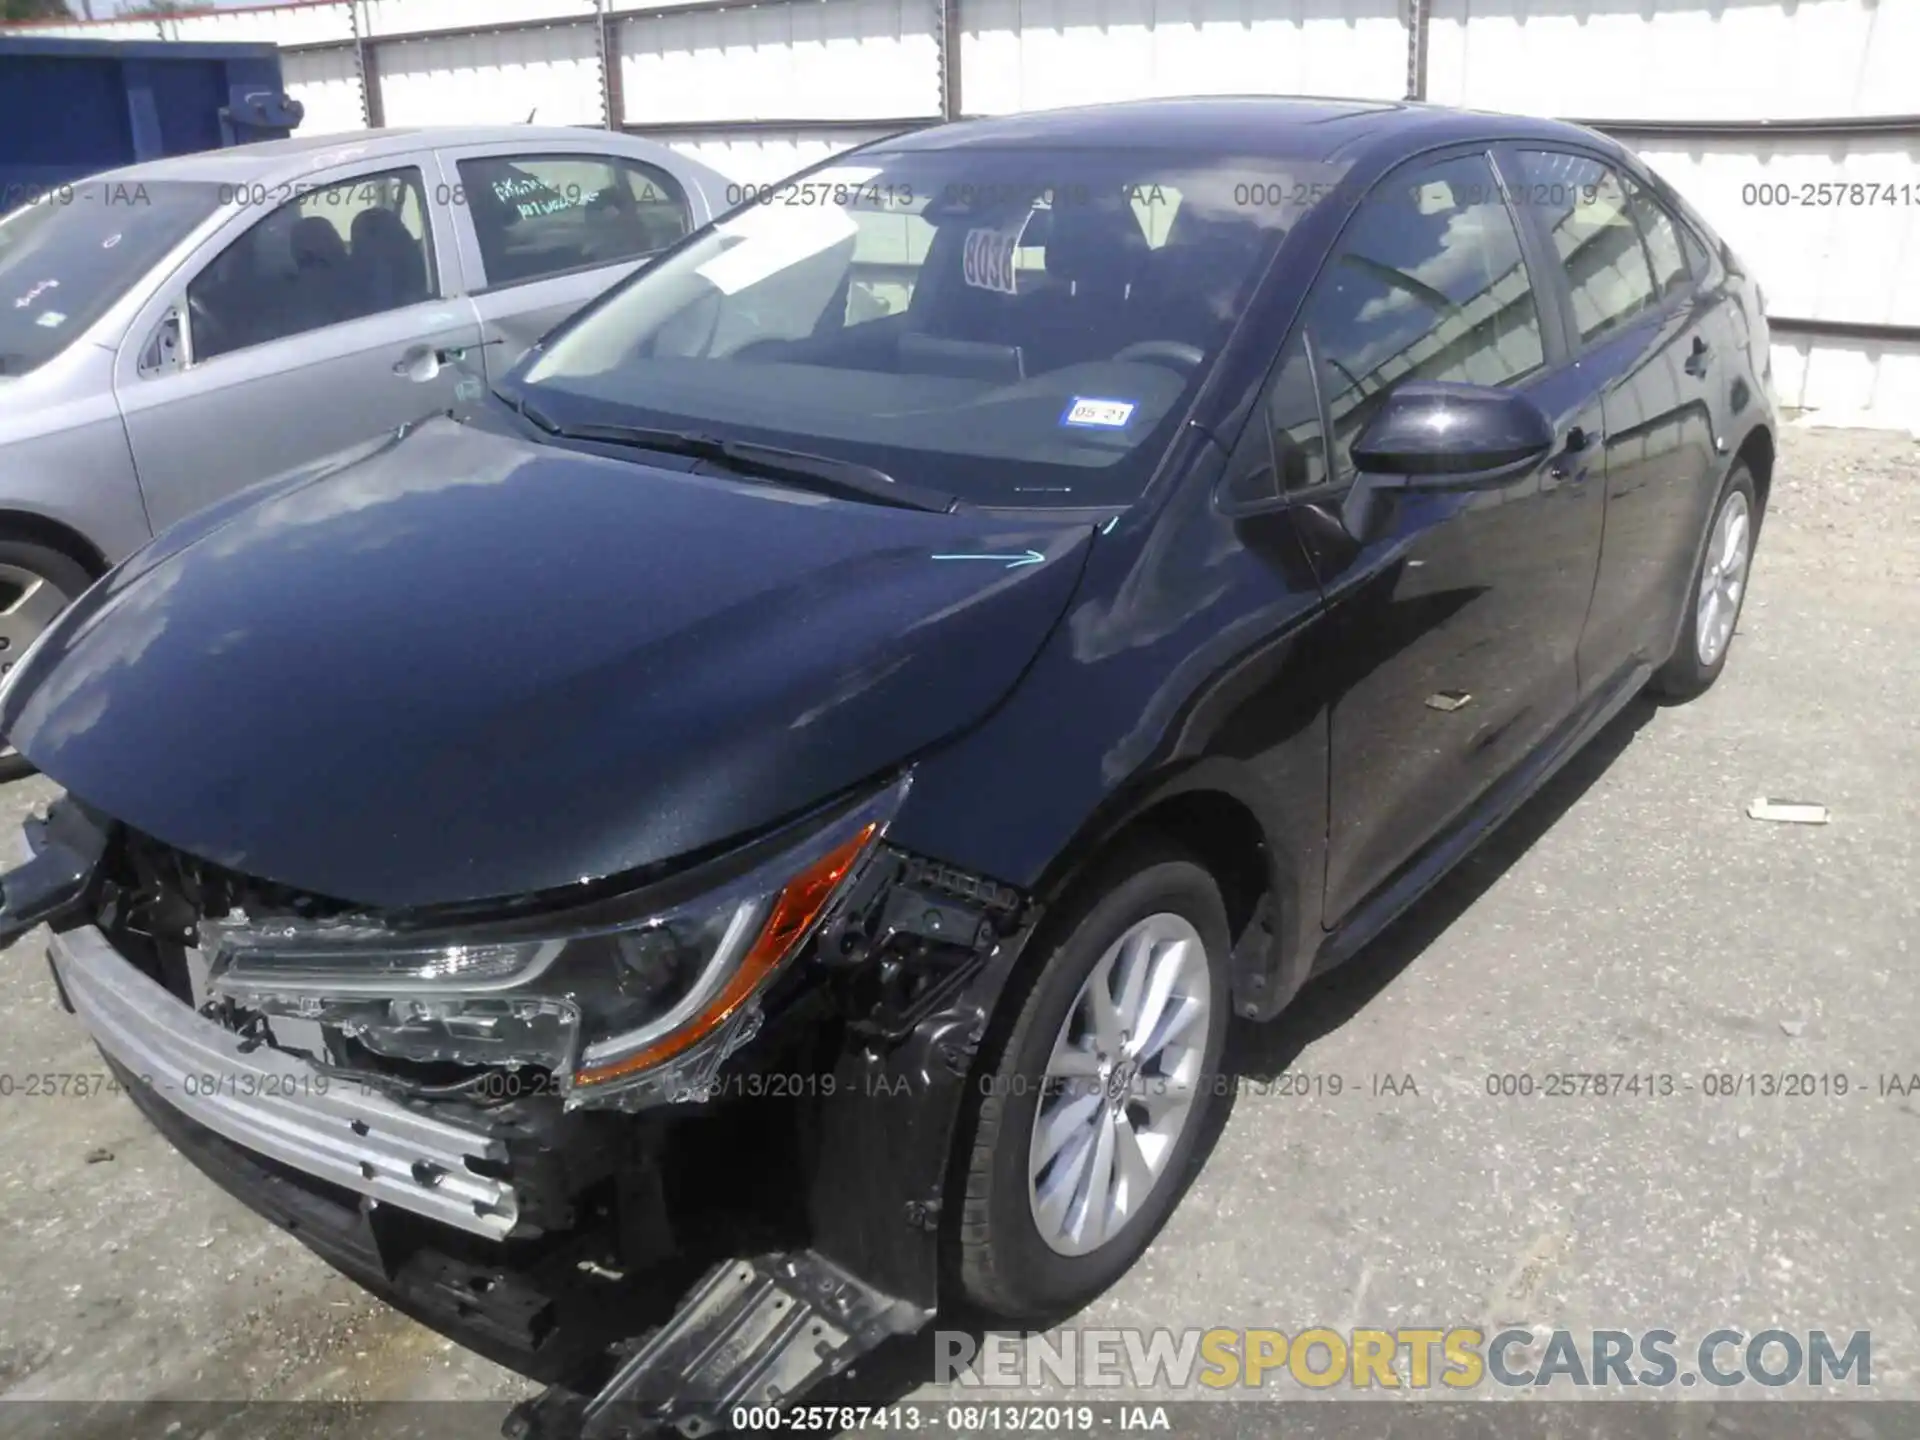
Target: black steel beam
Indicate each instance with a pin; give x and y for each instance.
(1873, 331)
(1419, 14)
(1756, 129)
(949, 41)
(760, 127)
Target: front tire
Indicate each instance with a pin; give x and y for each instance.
(1716, 593)
(1080, 1135)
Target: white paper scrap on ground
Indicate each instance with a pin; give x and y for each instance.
(1787, 812)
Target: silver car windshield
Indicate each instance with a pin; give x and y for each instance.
(1019, 326)
(76, 249)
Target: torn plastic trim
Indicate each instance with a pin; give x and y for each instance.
(55, 857)
(755, 1331)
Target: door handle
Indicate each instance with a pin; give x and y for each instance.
(419, 362)
(1699, 358)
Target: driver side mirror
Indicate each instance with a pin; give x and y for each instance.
(1436, 435)
(1440, 435)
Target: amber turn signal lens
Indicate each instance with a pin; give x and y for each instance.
(798, 906)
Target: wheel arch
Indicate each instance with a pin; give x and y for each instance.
(43, 530)
(1757, 452)
(1222, 815)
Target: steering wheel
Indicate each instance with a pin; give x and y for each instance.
(1176, 354)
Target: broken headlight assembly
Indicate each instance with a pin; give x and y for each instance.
(626, 1002)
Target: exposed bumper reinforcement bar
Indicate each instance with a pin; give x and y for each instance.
(753, 1332)
(280, 1106)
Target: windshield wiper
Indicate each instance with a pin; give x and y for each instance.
(821, 473)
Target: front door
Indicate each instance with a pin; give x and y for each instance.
(1457, 615)
(311, 330)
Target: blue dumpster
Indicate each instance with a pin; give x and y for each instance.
(70, 108)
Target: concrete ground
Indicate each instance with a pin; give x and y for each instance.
(1631, 919)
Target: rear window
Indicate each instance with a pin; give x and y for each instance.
(1018, 326)
(68, 256)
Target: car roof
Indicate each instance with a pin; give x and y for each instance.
(300, 155)
(1294, 126)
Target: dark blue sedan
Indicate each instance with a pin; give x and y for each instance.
(758, 825)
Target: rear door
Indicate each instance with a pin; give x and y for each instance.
(1644, 337)
(544, 228)
(295, 332)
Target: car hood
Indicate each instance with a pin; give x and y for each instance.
(466, 666)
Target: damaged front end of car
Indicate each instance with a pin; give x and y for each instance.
(670, 1144)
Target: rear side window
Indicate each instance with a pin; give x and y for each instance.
(1698, 261)
(1584, 207)
(333, 254)
(541, 215)
(1427, 283)
(1662, 234)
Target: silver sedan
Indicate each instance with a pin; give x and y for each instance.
(175, 331)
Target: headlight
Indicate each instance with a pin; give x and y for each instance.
(641, 998)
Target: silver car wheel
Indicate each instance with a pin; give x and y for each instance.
(1121, 1085)
(1723, 578)
(29, 602)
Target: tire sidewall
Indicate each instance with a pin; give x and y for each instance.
(1046, 1280)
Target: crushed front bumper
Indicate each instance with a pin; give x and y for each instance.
(614, 1256)
(348, 1134)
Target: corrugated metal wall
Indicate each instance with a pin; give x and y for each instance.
(759, 88)
(1041, 54)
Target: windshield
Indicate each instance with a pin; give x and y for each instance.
(1010, 326)
(65, 258)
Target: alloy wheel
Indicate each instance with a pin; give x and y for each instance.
(1723, 578)
(1120, 1086)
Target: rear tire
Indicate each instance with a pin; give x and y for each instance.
(1715, 594)
(1042, 1230)
(37, 582)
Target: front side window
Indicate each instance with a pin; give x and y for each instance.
(541, 215)
(76, 249)
(1584, 208)
(1427, 283)
(1015, 327)
(334, 253)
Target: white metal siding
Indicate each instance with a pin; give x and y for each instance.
(1042, 54)
(327, 84)
(818, 60)
(399, 17)
(278, 24)
(1862, 382)
(1676, 59)
(552, 74)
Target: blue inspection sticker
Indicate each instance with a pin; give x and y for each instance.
(1097, 413)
